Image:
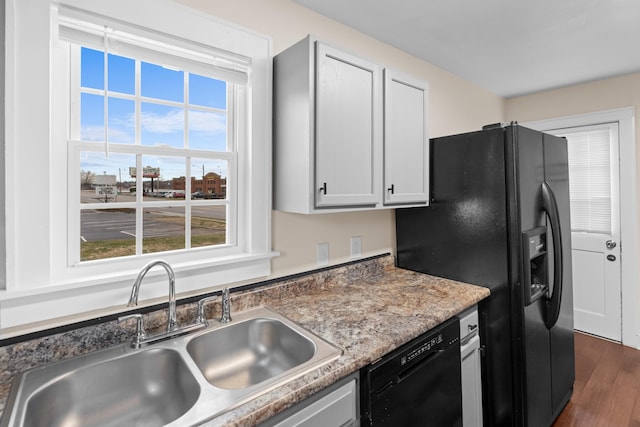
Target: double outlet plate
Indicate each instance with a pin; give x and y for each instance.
(322, 251)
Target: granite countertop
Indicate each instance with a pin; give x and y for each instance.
(367, 308)
(367, 318)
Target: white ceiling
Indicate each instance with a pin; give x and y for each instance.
(509, 47)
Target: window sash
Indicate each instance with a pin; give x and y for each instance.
(76, 146)
(76, 207)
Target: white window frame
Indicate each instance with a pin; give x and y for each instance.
(41, 283)
(236, 99)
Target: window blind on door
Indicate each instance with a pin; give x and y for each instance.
(590, 180)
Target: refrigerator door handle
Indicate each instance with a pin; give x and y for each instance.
(550, 206)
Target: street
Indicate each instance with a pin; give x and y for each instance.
(117, 223)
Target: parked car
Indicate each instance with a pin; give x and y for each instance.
(178, 194)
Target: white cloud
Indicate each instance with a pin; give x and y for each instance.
(152, 122)
(96, 133)
(200, 121)
(171, 122)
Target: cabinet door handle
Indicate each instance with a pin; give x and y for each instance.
(391, 188)
(324, 188)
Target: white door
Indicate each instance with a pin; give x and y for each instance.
(595, 228)
(348, 141)
(406, 144)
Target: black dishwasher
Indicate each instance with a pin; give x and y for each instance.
(418, 384)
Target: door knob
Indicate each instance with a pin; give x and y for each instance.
(611, 257)
(610, 244)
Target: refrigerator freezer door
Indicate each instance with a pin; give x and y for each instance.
(532, 365)
(561, 334)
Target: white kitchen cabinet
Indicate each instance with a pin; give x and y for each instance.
(328, 133)
(470, 368)
(406, 140)
(347, 129)
(327, 129)
(335, 406)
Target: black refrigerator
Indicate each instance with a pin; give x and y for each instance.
(499, 218)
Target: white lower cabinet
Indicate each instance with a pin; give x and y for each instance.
(470, 366)
(335, 406)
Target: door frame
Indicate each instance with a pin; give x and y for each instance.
(629, 268)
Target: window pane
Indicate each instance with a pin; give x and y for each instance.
(106, 179)
(122, 127)
(122, 74)
(91, 68)
(208, 225)
(163, 229)
(208, 179)
(162, 83)
(107, 233)
(590, 180)
(91, 117)
(162, 125)
(207, 131)
(207, 92)
(160, 174)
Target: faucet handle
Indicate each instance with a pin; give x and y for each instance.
(201, 303)
(141, 335)
(226, 307)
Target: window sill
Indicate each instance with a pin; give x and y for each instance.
(23, 306)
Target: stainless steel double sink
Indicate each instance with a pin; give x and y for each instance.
(179, 382)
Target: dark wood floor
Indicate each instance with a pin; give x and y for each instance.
(607, 387)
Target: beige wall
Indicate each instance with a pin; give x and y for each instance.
(601, 95)
(590, 97)
(455, 106)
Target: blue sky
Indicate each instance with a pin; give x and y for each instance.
(160, 124)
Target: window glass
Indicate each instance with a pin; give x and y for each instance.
(122, 125)
(163, 229)
(207, 130)
(162, 125)
(107, 233)
(208, 225)
(106, 179)
(162, 83)
(159, 175)
(207, 92)
(208, 179)
(122, 74)
(92, 69)
(91, 117)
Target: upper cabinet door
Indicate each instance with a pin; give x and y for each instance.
(348, 129)
(406, 141)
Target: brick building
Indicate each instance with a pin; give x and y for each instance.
(213, 185)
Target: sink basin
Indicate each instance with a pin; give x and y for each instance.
(248, 353)
(149, 388)
(177, 382)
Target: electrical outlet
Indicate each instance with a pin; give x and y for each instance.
(323, 254)
(356, 247)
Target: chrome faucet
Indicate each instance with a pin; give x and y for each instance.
(226, 307)
(172, 323)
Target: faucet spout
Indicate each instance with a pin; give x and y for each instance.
(172, 323)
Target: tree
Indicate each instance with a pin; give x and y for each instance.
(87, 178)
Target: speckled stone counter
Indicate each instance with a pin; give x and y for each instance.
(367, 317)
(367, 309)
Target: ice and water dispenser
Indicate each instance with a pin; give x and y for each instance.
(536, 267)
